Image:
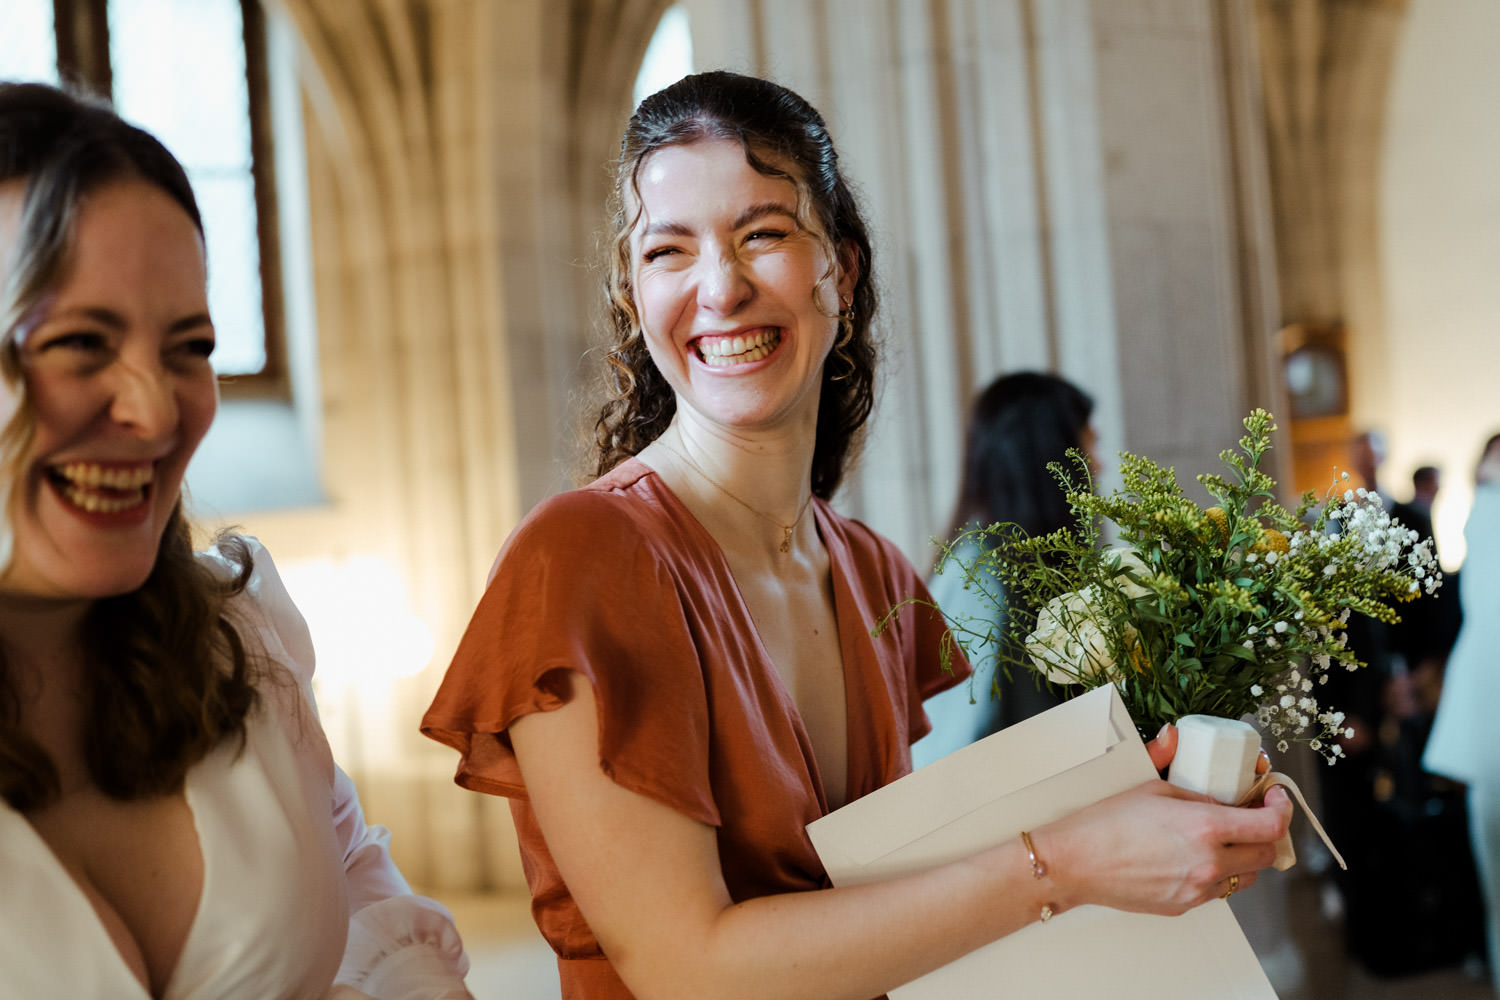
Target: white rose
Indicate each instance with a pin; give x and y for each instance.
(1067, 643)
(1126, 558)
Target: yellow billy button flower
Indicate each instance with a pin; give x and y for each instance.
(1221, 520)
(1272, 540)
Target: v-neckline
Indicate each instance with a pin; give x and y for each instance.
(840, 612)
(80, 900)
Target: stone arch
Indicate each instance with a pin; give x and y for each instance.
(1326, 70)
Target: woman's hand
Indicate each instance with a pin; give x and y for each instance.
(1160, 849)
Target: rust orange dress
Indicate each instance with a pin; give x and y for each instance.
(619, 582)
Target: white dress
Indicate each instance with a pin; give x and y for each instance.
(298, 893)
(1465, 740)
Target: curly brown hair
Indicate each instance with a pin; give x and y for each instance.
(783, 136)
(168, 675)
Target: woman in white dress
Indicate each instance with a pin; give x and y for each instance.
(172, 823)
(1463, 745)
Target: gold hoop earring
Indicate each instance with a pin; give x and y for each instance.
(846, 337)
(846, 324)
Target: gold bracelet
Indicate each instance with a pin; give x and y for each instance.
(1038, 870)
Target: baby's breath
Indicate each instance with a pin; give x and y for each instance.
(1238, 609)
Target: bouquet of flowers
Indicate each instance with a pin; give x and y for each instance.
(1231, 610)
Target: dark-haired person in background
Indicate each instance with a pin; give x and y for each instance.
(1019, 424)
(1429, 625)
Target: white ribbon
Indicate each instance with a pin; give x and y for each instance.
(1286, 856)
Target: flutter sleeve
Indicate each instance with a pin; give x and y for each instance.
(400, 946)
(589, 582)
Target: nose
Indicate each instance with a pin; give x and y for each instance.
(144, 401)
(725, 284)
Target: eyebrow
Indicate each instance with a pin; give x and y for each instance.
(112, 319)
(751, 214)
(761, 210)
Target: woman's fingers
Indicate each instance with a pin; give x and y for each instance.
(1277, 798)
(1260, 825)
(1233, 883)
(1163, 748)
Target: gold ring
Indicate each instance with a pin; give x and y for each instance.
(1234, 884)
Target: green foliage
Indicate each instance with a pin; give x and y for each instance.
(1233, 610)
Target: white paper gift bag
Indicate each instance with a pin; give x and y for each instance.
(1018, 779)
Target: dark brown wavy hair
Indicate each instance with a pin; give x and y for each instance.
(168, 676)
(1019, 425)
(783, 136)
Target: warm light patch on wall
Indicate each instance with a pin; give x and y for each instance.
(367, 638)
(361, 621)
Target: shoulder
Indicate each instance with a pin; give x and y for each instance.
(623, 540)
(1483, 525)
(264, 610)
(1486, 505)
(1482, 533)
(628, 517)
(608, 502)
(629, 498)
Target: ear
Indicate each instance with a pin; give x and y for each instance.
(848, 263)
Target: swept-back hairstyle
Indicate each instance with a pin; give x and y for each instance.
(1019, 424)
(168, 677)
(782, 136)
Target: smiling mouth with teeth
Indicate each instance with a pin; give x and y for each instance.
(100, 489)
(725, 352)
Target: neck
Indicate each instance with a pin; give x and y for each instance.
(774, 475)
(43, 666)
(37, 634)
(755, 492)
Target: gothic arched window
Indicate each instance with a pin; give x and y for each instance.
(669, 56)
(192, 72)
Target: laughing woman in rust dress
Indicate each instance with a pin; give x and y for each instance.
(672, 673)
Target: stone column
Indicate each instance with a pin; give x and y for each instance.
(1073, 185)
(405, 126)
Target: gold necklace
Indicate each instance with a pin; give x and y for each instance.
(786, 529)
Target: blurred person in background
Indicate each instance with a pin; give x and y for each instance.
(1465, 740)
(1019, 424)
